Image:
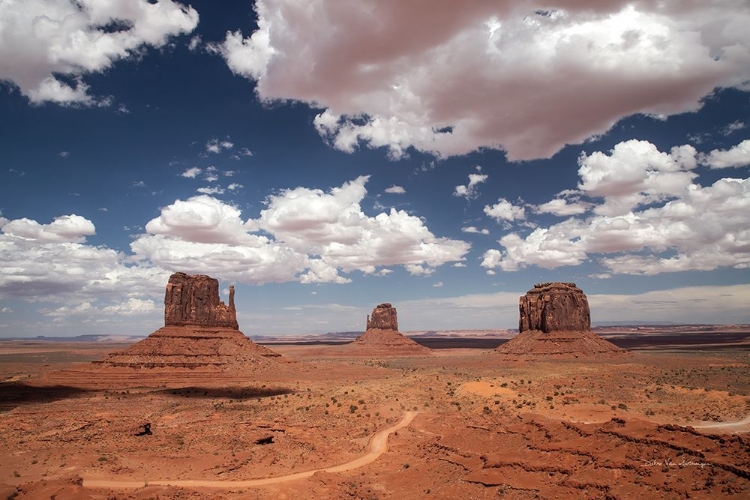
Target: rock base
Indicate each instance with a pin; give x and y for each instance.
(382, 342)
(535, 344)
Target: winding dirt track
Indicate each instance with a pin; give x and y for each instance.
(378, 445)
(734, 427)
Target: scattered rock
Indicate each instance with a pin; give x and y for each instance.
(146, 430)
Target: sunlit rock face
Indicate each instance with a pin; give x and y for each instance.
(555, 322)
(384, 317)
(552, 307)
(194, 301)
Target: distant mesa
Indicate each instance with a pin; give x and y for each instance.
(555, 322)
(383, 338)
(200, 341)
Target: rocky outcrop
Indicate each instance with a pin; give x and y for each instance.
(194, 301)
(384, 317)
(554, 307)
(200, 334)
(555, 322)
(382, 337)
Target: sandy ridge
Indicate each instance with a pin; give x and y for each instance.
(378, 445)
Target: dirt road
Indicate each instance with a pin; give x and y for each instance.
(733, 427)
(378, 446)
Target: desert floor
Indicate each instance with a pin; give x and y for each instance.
(660, 423)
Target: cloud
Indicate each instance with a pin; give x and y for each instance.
(66, 228)
(469, 191)
(312, 236)
(738, 156)
(240, 153)
(699, 304)
(395, 190)
(63, 154)
(52, 262)
(649, 217)
(333, 226)
(201, 219)
(195, 43)
(234, 186)
(561, 207)
(733, 127)
(472, 229)
(211, 190)
(49, 45)
(438, 284)
(455, 78)
(635, 173)
(216, 146)
(191, 173)
(504, 210)
(133, 307)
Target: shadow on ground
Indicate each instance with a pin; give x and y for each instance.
(227, 393)
(13, 394)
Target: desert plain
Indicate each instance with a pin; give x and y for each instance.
(663, 422)
(197, 410)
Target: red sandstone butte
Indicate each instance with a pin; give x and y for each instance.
(383, 338)
(554, 322)
(199, 343)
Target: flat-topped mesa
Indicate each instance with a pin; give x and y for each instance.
(383, 317)
(554, 307)
(194, 301)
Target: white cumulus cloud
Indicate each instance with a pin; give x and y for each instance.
(649, 216)
(191, 173)
(306, 235)
(504, 210)
(738, 156)
(66, 228)
(474, 230)
(469, 191)
(53, 262)
(454, 77)
(48, 46)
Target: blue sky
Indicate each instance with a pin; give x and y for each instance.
(325, 157)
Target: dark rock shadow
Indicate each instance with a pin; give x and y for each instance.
(14, 394)
(226, 392)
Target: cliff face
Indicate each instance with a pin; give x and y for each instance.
(383, 317)
(382, 337)
(555, 322)
(194, 301)
(553, 307)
